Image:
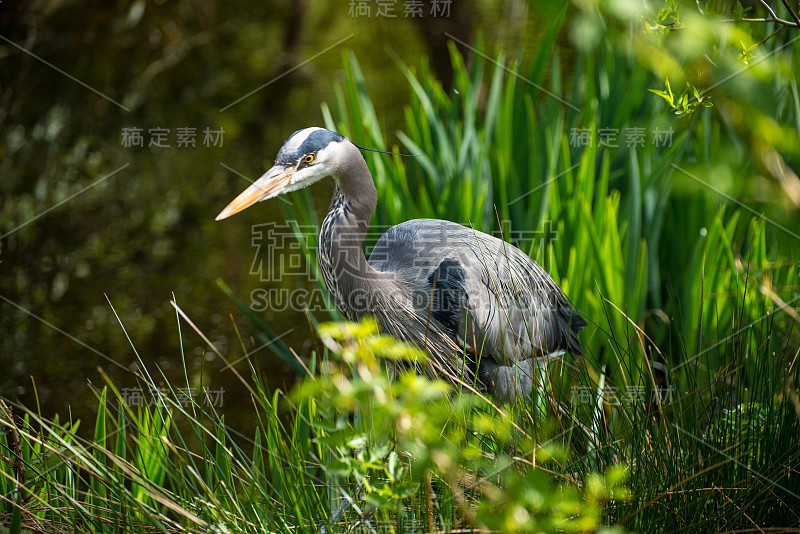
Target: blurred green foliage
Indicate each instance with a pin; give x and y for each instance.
(148, 230)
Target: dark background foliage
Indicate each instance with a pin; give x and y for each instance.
(148, 230)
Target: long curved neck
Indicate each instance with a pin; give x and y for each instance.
(349, 278)
(355, 287)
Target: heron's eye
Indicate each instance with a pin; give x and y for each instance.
(308, 158)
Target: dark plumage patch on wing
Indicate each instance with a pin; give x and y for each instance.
(575, 323)
(448, 293)
(449, 306)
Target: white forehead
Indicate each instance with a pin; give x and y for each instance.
(293, 143)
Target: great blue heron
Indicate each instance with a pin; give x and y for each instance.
(480, 307)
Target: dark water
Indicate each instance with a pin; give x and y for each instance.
(104, 201)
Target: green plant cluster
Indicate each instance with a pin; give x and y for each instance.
(464, 440)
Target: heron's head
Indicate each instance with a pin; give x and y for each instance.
(308, 156)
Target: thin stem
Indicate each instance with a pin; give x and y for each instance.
(792, 13)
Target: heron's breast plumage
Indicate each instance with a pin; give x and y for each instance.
(325, 255)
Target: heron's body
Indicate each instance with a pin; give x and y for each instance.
(480, 307)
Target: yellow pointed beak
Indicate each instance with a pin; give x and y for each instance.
(268, 186)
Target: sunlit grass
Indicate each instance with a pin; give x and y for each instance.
(413, 456)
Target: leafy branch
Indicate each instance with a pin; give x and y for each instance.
(687, 103)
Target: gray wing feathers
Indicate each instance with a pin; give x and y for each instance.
(513, 311)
